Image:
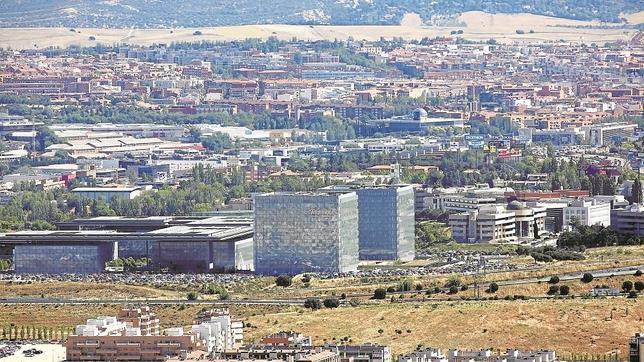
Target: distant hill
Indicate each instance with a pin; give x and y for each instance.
(196, 13)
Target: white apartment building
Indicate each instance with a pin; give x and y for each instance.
(218, 334)
(587, 212)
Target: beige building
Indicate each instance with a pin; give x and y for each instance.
(497, 223)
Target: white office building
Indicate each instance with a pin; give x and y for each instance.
(587, 212)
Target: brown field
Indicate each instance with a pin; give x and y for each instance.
(568, 326)
(478, 26)
(66, 316)
(75, 290)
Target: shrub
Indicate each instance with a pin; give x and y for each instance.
(406, 285)
(283, 281)
(379, 293)
(541, 257)
(192, 295)
(391, 290)
(554, 289)
(331, 303)
(419, 287)
(638, 273)
(453, 281)
(587, 278)
(343, 296)
(627, 286)
(564, 290)
(453, 289)
(197, 32)
(519, 31)
(92, 38)
(493, 288)
(464, 288)
(632, 294)
(554, 280)
(639, 286)
(312, 303)
(306, 278)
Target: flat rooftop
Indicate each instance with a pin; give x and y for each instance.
(156, 228)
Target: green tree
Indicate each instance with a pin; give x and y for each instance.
(493, 288)
(312, 303)
(283, 281)
(331, 302)
(587, 278)
(380, 293)
(636, 191)
(627, 286)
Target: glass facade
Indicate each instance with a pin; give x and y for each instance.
(62, 258)
(185, 256)
(138, 249)
(387, 223)
(297, 233)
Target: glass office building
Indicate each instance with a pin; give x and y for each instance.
(62, 258)
(386, 216)
(298, 233)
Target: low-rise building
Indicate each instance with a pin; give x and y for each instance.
(134, 335)
(587, 212)
(629, 220)
(108, 193)
(484, 355)
(636, 348)
(497, 223)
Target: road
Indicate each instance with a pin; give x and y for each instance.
(300, 301)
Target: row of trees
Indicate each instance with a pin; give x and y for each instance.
(594, 236)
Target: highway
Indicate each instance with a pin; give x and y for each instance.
(603, 273)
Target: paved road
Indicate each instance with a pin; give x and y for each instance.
(149, 301)
(300, 301)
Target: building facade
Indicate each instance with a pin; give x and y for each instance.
(629, 220)
(59, 258)
(298, 233)
(587, 212)
(386, 223)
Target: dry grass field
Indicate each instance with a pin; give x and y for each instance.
(569, 326)
(77, 290)
(479, 26)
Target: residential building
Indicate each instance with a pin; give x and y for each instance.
(484, 355)
(141, 318)
(107, 339)
(587, 212)
(608, 133)
(629, 220)
(119, 338)
(306, 232)
(636, 348)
